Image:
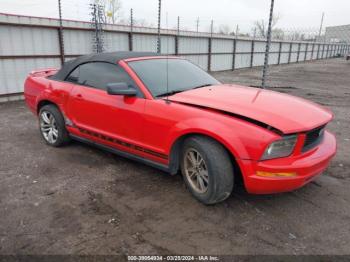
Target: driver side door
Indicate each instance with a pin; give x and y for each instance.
(115, 120)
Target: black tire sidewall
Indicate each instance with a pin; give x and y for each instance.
(212, 195)
(62, 132)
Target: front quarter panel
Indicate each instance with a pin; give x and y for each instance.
(167, 122)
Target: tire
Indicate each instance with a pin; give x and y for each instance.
(53, 121)
(217, 173)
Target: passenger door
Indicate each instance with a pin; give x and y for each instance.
(115, 118)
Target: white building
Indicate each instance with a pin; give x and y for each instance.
(338, 34)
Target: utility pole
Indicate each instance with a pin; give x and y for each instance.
(131, 19)
(321, 26)
(131, 30)
(197, 24)
(237, 30)
(210, 44)
(97, 21)
(268, 43)
(159, 21)
(60, 32)
(177, 36)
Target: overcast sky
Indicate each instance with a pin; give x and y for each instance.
(294, 14)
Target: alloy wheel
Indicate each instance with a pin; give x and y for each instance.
(48, 127)
(196, 171)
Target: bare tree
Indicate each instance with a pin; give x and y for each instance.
(225, 29)
(262, 25)
(278, 34)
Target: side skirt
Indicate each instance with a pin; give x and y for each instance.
(112, 150)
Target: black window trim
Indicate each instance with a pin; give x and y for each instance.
(141, 94)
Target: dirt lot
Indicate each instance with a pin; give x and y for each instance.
(79, 200)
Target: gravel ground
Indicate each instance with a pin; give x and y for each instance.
(80, 200)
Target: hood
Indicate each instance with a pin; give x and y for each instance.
(286, 113)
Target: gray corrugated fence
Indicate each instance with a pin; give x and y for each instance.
(29, 43)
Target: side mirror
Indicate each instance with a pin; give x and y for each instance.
(120, 89)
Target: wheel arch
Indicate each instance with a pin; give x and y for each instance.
(175, 153)
(45, 102)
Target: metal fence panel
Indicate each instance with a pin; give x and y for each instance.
(260, 46)
(302, 52)
(314, 55)
(221, 62)
(273, 59)
(293, 57)
(242, 61)
(221, 45)
(284, 58)
(258, 59)
(116, 41)
(309, 52)
(14, 71)
(28, 41)
(191, 45)
(285, 47)
(295, 47)
(275, 46)
(243, 46)
(322, 52)
(302, 47)
(200, 60)
(168, 45)
(147, 43)
(77, 42)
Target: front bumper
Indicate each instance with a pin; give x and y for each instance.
(307, 166)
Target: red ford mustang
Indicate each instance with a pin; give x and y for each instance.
(168, 113)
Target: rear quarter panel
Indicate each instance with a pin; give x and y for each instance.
(41, 88)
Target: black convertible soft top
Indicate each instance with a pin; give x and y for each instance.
(111, 57)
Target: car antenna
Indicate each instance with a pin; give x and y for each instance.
(167, 61)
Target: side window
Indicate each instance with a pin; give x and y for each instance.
(74, 76)
(99, 74)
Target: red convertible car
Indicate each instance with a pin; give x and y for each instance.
(168, 113)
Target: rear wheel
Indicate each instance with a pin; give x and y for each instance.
(207, 169)
(52, 126)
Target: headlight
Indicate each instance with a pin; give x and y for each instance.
(280, 148)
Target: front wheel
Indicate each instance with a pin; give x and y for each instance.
(52, 126)
(207, 169)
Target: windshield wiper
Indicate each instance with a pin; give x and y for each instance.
(204, 85)
(170, 93)
(179, 91)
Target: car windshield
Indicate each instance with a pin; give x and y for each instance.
(179, 74)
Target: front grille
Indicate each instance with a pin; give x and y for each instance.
(313, 138)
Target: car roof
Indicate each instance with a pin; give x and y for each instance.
(109, 57)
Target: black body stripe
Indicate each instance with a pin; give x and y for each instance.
(123, 143)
